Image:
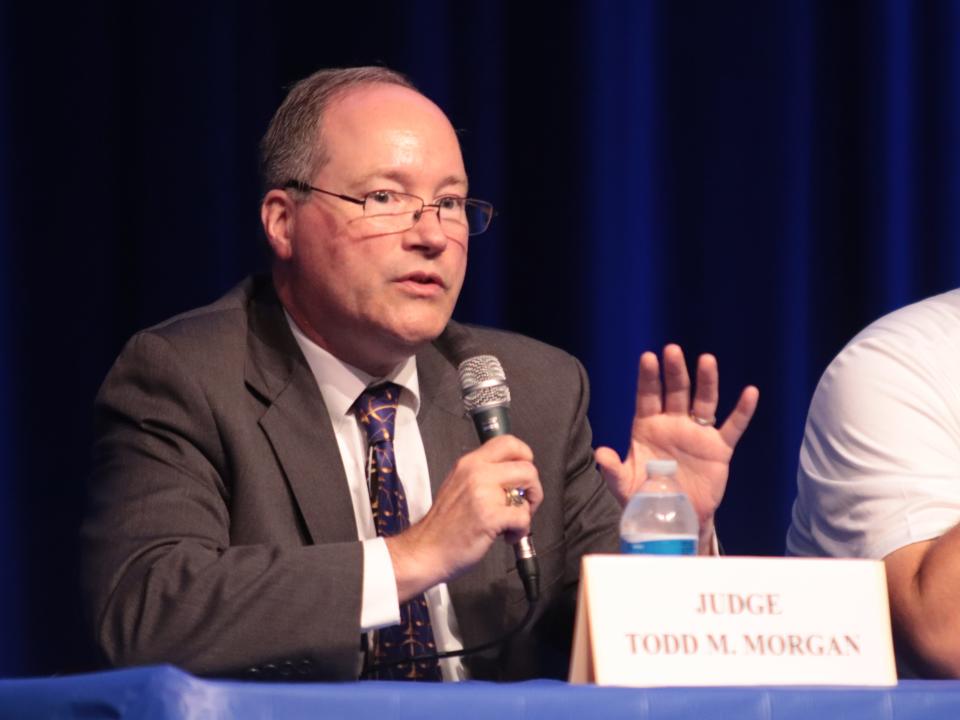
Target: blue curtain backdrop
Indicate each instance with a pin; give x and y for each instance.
(11, 555)
(754, 179)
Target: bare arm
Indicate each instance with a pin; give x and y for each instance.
(923, 579)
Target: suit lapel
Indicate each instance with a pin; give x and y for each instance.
(296, 422)
(446, 429)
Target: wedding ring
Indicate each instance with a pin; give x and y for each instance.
(515, 496)
(704, 422)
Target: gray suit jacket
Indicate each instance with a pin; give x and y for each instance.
(220, 533)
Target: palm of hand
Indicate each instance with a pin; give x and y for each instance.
(664, 428)
(702, 455)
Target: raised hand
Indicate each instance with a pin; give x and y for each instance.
(667, 424)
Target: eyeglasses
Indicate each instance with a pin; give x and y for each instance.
(392, 211)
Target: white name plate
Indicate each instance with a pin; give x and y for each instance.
(649, 621)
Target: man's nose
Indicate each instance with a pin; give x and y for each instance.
(427, 231)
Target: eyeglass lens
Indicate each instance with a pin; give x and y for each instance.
(396, 212)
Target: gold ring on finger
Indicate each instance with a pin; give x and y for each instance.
(515, 496)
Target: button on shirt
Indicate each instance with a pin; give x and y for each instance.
(340, 385)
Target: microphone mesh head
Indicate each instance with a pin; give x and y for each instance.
(483, 383)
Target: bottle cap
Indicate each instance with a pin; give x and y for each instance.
(661, 467)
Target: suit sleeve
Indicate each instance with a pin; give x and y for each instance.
(162, 579)
(579, 516)
(591, 513)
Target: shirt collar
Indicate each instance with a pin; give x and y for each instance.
(341, 383)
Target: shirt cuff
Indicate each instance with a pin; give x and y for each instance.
(379, 603)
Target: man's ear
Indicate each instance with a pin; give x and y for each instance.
(277, 217)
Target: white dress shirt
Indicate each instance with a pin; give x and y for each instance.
(340, 385)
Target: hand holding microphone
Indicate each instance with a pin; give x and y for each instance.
(486, 398)
(490, 492)
(469, 513)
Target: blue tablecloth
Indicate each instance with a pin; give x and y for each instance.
(162, 693)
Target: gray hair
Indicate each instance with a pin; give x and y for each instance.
(292, 148)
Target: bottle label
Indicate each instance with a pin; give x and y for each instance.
(660, 546)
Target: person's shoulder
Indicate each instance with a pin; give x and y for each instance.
(517, 349)
(204, 337)
(543, 369)
(226, 312)
(909, 352)
(928, 321)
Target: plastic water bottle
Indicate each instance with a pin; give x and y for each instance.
(659, 519)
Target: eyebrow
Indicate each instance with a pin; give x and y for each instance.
(403, 178)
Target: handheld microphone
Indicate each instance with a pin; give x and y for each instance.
(486, 398)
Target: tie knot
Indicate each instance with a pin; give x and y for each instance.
(376, 410)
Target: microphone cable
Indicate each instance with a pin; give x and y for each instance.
(483, 647)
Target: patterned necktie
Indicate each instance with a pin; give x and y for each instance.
(376, 410)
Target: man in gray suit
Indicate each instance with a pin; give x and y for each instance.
(230, 529)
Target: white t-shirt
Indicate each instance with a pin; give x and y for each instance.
(880, 461)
